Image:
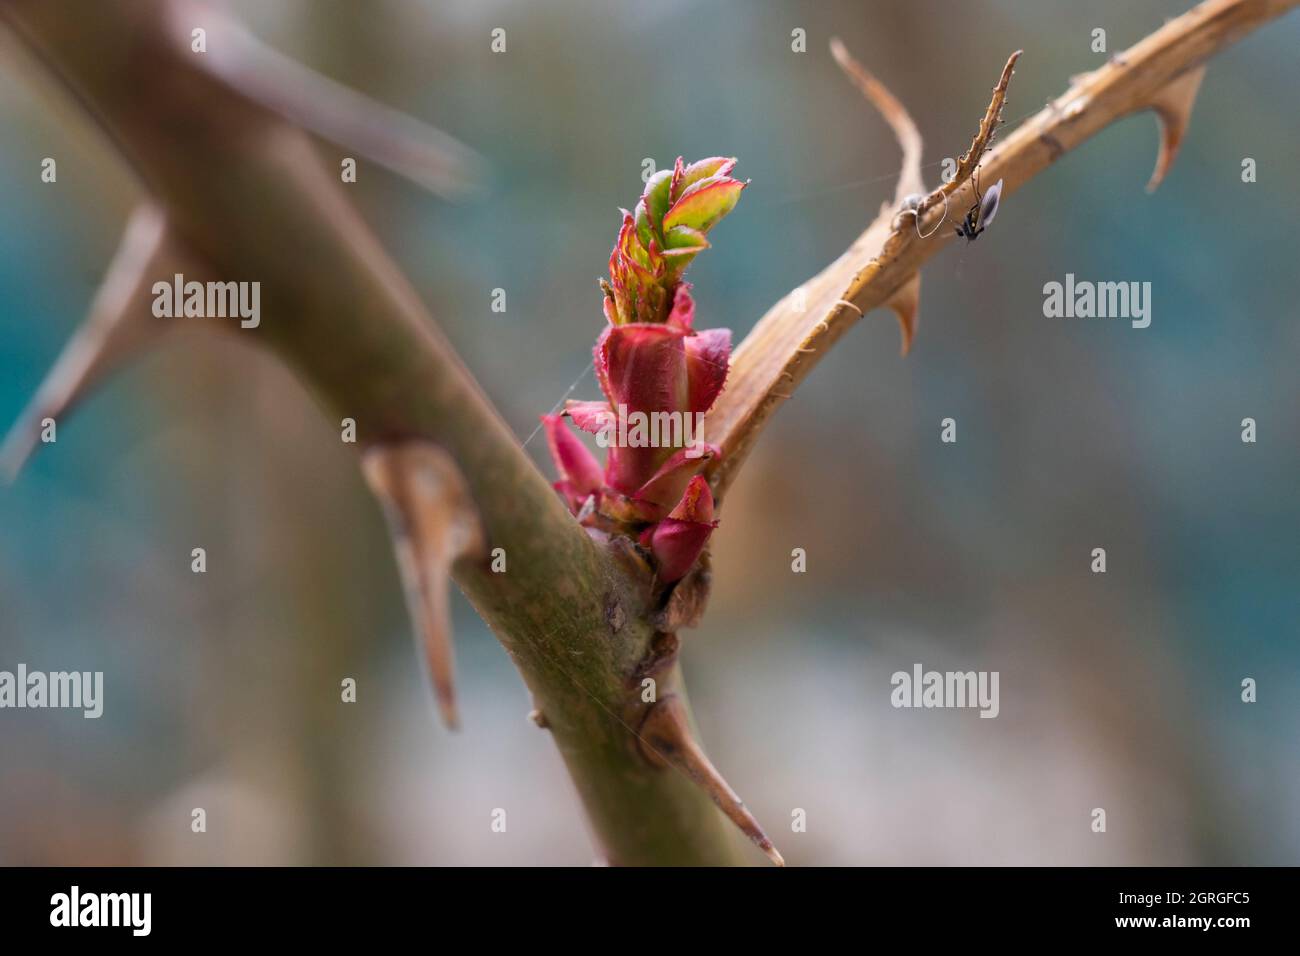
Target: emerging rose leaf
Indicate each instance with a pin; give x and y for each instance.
(676, 542)
(658, 241)
(658, 373)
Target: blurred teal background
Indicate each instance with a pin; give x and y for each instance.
(1119, 691)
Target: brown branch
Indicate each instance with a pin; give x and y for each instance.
(423, 154)
(790, 339)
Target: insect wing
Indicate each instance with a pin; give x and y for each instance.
(989, 207)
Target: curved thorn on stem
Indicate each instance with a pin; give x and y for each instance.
(906, 304)
(1173, 109)
(433, 523)
(120, 325)
(403, 144)
(667, 740)
(895, 114)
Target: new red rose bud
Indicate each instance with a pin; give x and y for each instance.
(676, 541)
(653, 366)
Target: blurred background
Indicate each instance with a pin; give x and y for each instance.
(1119, 691)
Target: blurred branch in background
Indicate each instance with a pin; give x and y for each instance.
(410, 148)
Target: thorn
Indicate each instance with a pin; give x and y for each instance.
(905, 303)
(895, 114)
(407, 146)
(988, 126)
(1173, 109)
(538, 718)
(119, 325)
(667, 731)
(433, 523)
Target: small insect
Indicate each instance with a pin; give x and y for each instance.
(981, 212)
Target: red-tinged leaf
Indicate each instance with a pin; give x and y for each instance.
(676, 187)
(682, 313)
(626, 235)
(701, 184)
(615, 272)
(677, 545)
(702, 169)
(666, 487)
(701, 208)
(628, 510)
(578, 468)
(636, 273)
(696, 503)
(708, 356)
(591, 417)
(600, 361)
(677, 541)
(654, 258)
(642, 369)
(643, 365)
(629, 246)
